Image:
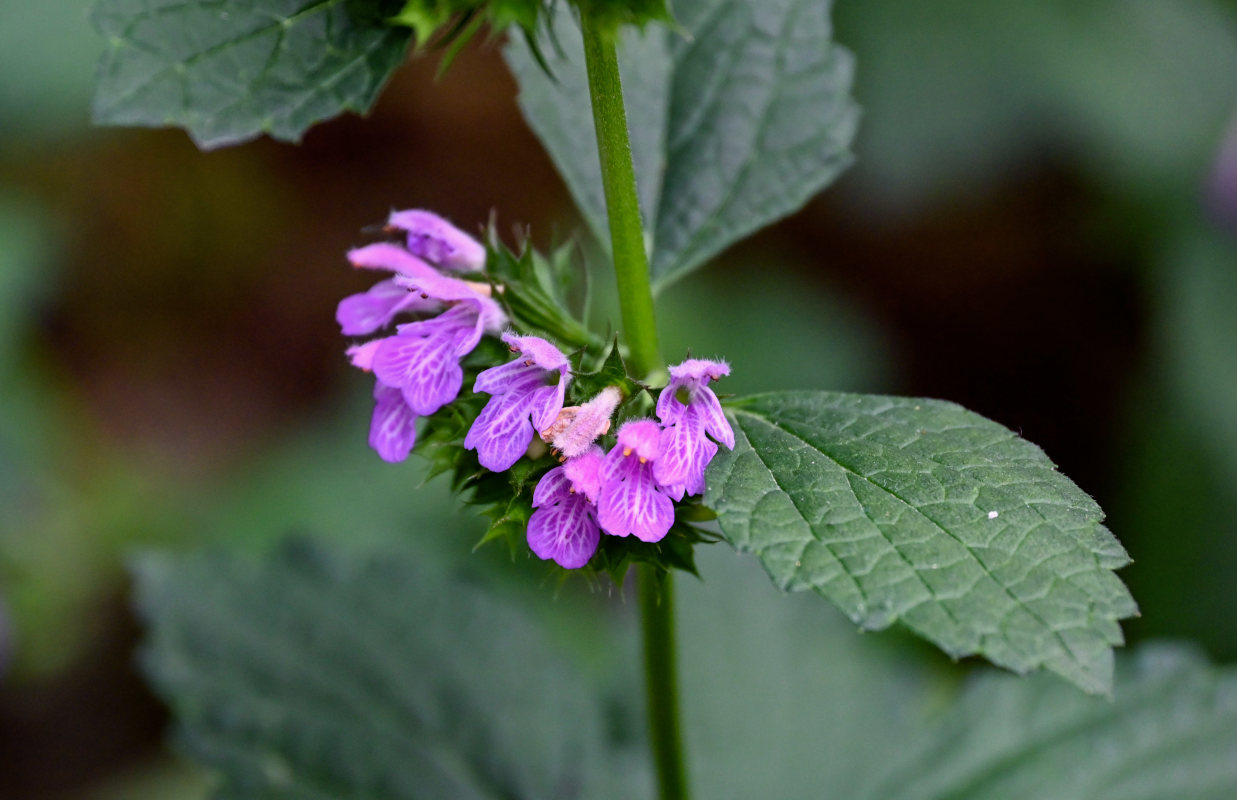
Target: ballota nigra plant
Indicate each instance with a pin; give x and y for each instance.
(595, 455)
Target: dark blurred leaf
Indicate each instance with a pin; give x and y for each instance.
(823, 342)
(1177, 475)
(27, 252)
(1135, 92)
(732, 128)
(558, 110)
(781, 697)
(1197, 290)
(1170, 733)
(228, 71)
(919, 510)
(308, 675)
(1175, 506)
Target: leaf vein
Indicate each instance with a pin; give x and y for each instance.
(1065, 647)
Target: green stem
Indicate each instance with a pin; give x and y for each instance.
(656, 590)
(618, 178)
(631, 269)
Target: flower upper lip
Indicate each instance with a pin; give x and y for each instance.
(430, 236)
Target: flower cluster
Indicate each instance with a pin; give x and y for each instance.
(628, 491)
(417, 369)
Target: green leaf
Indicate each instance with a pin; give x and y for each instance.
(558, 109)
(53, 49)
(308, 675)
(734, 125)
(1171, 732)
(1177, 482)
(781, 697)
(228, 71)
(804, 703)
(1197, 333)
(924, 512)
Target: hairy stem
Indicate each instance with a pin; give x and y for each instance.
(656, 589)
(618, 178)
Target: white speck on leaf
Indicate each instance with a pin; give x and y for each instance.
(993, 514)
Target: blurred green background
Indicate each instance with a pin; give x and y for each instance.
(1041, 225)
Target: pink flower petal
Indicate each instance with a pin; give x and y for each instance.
(366, 312)
(496, 380)
(565, 532)
(641, 437)
(714, 419)
(393, 429)
(545, 402)
(392, 257)
(542, 353)
(685, 453)
(432, 237)
(632, 504)
(501, 433)
(584, 472)
(553, 486)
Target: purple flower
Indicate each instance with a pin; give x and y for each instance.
(532, 386)
(433, 238)
(564, 526)
(417, 369)
(631, 501)
(362, 355)
(392, 258)
(393, 429)
(423, 358)
(688, 409)
(364, 313)
(491, 318)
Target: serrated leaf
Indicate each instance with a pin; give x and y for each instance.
(924, 512)
(1170, 732)
(734, 125)
(230, 70)
(311, 675)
